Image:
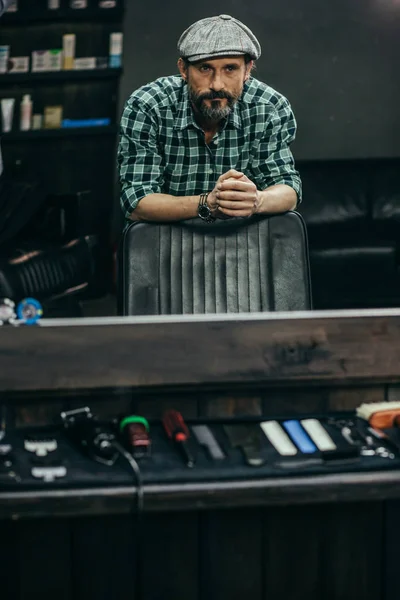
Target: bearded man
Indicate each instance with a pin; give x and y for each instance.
(212, 142)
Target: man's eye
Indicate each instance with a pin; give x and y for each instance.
(204, 68)
(231, 68)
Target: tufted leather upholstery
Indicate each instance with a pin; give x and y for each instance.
(258, 264)
(352, 212)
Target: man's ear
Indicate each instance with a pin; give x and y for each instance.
(182, 69)
(249, 68)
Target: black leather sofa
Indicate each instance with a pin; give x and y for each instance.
(352, 213)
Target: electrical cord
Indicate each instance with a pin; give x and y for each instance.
(138, 510)
(138, 477)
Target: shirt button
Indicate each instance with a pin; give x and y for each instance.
(210, 171)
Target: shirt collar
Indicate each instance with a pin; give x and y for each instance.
(185, 118)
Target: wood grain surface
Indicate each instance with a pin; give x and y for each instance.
(202, 350)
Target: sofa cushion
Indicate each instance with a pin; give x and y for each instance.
(334, 193)
(355, 277)
(385, 192)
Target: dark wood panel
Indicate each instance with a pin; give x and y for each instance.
(170, 557)
(311, 489)
(393, 393)
(349, 398)
(38, 414)
(104, 558)
(44, 552)
(230, 405)
(9, 564)
(294, 401)
(154, 406)
(390, 539)
(230, 555)
(352, 551)
(273, 402)
(296, 348)
(292, 553)
(329, 551)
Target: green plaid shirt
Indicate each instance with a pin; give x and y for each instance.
(163, 150)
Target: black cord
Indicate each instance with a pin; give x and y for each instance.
(138, 477)
(138, 510)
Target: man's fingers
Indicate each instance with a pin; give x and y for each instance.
(247, 204)
(231, 173)
(236, 184)
(237, 196)
(236, 213)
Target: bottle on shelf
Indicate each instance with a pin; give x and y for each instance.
(78, 4)
(26, 113)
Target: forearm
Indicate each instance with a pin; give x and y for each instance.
(163, 207)
(277, 199)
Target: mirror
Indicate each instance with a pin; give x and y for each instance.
(60, 215)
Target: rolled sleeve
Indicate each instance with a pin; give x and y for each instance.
(275, 163)
(139, 159)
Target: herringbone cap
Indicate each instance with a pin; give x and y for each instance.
(218, 36)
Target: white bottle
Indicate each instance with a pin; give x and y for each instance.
(26, 113)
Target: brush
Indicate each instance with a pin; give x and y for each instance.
(380, 415)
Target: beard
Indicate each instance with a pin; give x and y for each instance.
(215, 112)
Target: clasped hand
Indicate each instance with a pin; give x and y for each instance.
(234, 195)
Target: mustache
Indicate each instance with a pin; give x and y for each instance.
(212, 95)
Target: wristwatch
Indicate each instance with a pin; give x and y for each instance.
(204, 210)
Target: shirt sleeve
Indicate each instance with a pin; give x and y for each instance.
(139, 159)
(274, 163)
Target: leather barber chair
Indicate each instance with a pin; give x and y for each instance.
(238, 265)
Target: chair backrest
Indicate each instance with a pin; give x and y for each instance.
(238, 265)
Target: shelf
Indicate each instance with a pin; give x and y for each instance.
(52, 76)
(69, 15)
(58, 133)
(284, 491)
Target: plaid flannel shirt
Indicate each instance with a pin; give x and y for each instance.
(163, 150)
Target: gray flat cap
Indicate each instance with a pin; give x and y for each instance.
(218, 36)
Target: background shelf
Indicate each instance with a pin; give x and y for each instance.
(58, 133)
(50, 76)
(66, 15)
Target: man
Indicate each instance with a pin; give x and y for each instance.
(213, 142)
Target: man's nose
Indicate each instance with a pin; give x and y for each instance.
(217, 83)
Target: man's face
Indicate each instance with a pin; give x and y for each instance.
(215, 85)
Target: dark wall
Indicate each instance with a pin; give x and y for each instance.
(337, 62)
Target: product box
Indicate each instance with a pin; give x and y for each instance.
(4, 57)
(87, 63)
(53, 117)
(54, 60)
(40, 61)
(107, 3)
(69, 44)
(116, 42)
(37, 121)
(19, 64)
